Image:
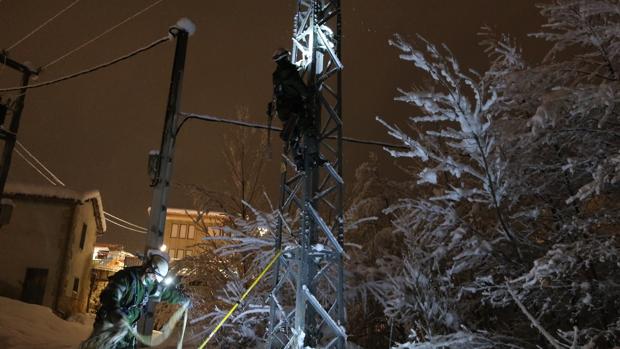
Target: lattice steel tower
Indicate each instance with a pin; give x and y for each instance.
(307, 302)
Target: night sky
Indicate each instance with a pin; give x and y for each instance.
(95, 131)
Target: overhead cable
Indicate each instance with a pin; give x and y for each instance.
(33, 166)
(43, 25)
(92, 69)
(124, 221)
(189, 116)
(19, 144)
(100, 35)
(125, 227)
(54, 180)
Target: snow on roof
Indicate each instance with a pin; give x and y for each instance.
(13, 189)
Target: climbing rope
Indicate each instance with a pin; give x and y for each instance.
(110, 335)
(166, 330)
(247, 292)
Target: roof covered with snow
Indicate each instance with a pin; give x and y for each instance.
(58, 193)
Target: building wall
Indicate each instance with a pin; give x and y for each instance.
(79, 256)
(46, 234)
(34, 238)
(182, 244)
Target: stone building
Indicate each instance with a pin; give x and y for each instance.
(46, 249)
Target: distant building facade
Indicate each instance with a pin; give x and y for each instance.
(185, 229)
(46, 249)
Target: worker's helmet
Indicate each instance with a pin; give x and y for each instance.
(280, 53)
(157, 263)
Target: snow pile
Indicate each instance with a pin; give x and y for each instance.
(30, 326)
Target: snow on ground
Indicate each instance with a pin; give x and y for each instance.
(30, 326)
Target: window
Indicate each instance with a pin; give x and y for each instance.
(175, 231)
(183, 231)
(172, 253)
(216, 232)
(192, 232)
(179, 254)
(188, 253)
(83, 237)
(76, 285)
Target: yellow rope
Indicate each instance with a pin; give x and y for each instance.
(232, 310)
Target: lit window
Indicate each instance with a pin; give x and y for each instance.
(183, 231)
(172, 253)
(192, 232)
(188, 253)
(175, 231)
(179, 254)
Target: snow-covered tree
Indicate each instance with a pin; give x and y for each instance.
(227, 261)
(510, 238)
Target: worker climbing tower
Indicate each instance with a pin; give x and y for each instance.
(307, 302)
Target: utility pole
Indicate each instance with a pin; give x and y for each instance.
(307, 301)
(9, 135)
(160, 163)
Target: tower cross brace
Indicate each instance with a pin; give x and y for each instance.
(307, 300)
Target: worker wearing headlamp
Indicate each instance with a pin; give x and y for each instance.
(125, 296)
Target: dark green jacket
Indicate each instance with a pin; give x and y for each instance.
(128, 294)
(289, 90)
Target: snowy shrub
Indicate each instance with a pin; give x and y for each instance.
(510, 234)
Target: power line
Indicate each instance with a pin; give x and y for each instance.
(124, 221)
(56, 181)
(43, 25)
(92, 69)
(33, 166)
(189, 116)
(125, 227)
(101, 35)
(40, 163)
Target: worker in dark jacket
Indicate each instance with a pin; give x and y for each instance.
(124, 298)
(291, 96)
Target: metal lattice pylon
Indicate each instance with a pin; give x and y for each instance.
(307, 301)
